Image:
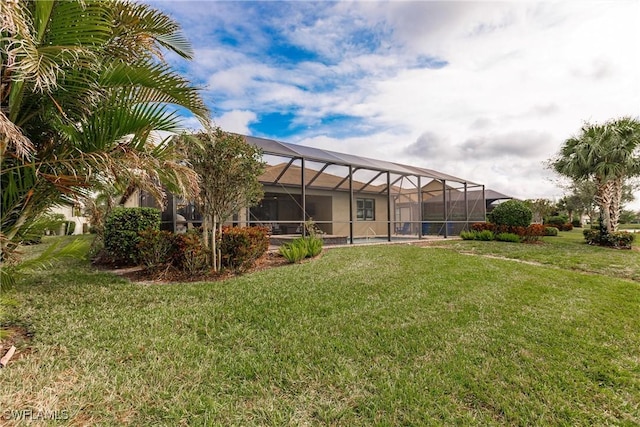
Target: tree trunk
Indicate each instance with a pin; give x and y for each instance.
(205, 237)
(219, 250)
(614, 207)
(604, 196)
(214, 251)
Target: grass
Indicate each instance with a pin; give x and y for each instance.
(377, 335)
(629, 226)
(566, 251)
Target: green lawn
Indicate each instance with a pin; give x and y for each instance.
(567, 251)
(629, 226)
(376, 335)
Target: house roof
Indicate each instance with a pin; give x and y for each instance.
(285, 174)
(270, 146)
(492, 195)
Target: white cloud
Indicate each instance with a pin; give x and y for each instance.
(236, 121)
(520, 78)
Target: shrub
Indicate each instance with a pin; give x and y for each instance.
(534, 232)
(481, 226)
(520, 231)
(620, 239)
(508, 237)
(295, 251)
(485, 235)
(314, 246)
(512, 213)
(617, 239)
(556, 221)
(576, 223)
(156, 248)
(550, 231)
(189, 255)
(469, 235)
(242, 246)
(566, 227)
(301, 248)
(121, 232)
(591, 236)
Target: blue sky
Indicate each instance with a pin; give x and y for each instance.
(487, 91)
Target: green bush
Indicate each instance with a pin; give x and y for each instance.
(314, 246)
(591, 236)
(156, 248)
(512, 213)
(469, 235)
(617, 239)
(508, 237)
(556, 221)
(242, 246)
(550, 231)
(621, 239)
(576, 223)
(301, 248)
(295, 251)
(121, 232)
(486, 235)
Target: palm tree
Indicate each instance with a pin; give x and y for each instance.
(606, 154)
(83, 90)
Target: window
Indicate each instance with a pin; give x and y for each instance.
(365, 209)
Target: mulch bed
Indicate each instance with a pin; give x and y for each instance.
(140, 274)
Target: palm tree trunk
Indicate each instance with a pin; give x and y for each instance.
(604, 196)
(614, 207)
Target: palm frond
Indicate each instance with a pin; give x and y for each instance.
(13, 139)
(84, 95)
(141, 30)
(150, 82)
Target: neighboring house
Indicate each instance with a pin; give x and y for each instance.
(347, 195)
(75, 214)
(493, 199)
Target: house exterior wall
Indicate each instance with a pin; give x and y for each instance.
(360, 228)
(134, 200)
(330, 211)
(68, 212)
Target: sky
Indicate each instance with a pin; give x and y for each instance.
(486, 91)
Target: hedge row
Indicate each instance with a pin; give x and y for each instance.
(133, 237)
(529, 234)
(560, 222)
(617, 239)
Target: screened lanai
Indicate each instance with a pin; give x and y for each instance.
(358, 199)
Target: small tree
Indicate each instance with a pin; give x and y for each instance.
(229, 168)
(629, 217)
(540, 208)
